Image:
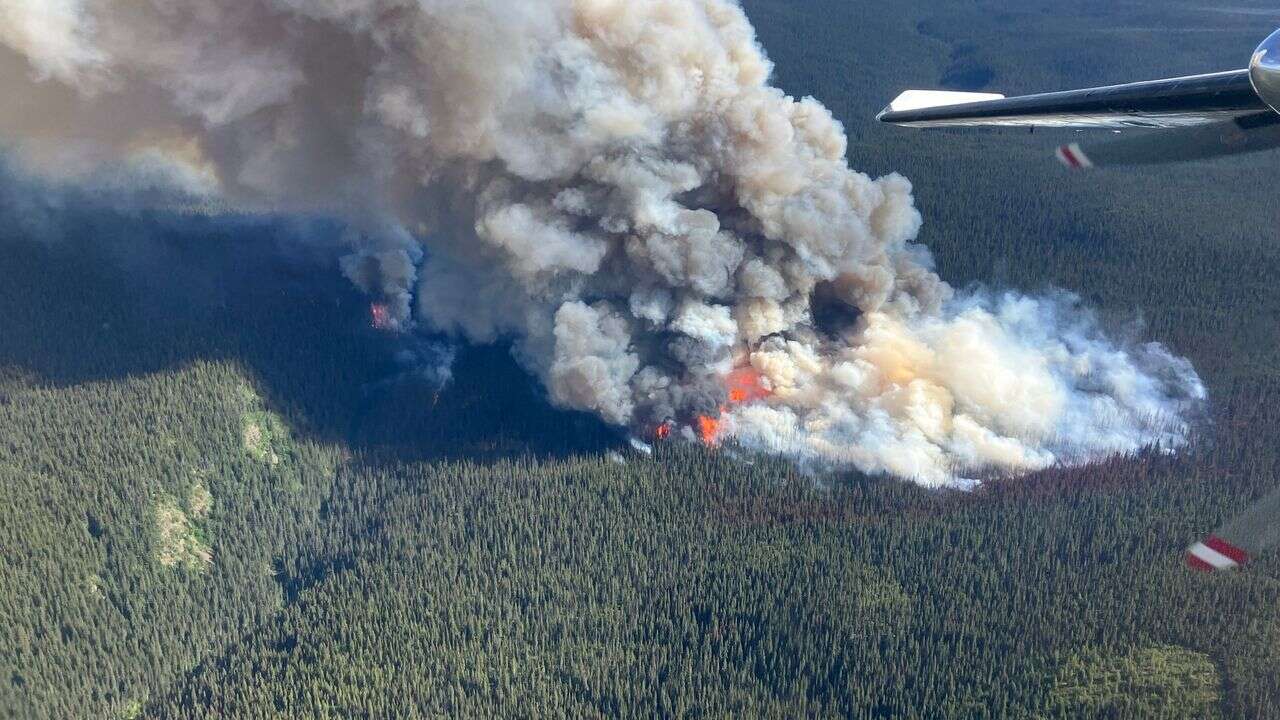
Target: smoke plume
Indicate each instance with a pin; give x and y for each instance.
(613, 184)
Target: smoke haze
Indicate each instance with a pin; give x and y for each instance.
(670, 241)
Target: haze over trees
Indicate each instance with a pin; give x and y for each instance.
(222, 497)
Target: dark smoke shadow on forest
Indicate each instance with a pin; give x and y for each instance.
(93, 293)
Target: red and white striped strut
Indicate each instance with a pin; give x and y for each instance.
(1216, 554)
(1073, 157)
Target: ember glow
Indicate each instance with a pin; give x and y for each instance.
(746, 385)
(743, 386)
(380, 317)
(709, 430)
(663, 432)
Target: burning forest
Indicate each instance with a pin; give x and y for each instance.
(615, 186)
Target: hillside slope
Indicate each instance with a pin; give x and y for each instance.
(222, 497)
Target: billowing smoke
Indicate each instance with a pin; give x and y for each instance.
(671, 242)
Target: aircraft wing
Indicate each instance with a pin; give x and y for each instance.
(1198, 117)
(1244, 134)
(1176, 102)
(1240, 540)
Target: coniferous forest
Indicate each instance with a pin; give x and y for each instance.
(222, 495)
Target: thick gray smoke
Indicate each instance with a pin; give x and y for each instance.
(615, 185)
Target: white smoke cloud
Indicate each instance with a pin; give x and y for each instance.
(53, 35)
(613, 184)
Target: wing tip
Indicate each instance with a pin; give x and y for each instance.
(910, 102)
(1215, 554)
(1195, 563)
(1236, 555)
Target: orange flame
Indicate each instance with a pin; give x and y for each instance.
(380, 317)
(708, 429)
(745, 385)
(664, 431)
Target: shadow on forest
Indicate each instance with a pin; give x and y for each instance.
(103, 295)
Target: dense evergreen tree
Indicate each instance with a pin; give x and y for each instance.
(221, 497)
